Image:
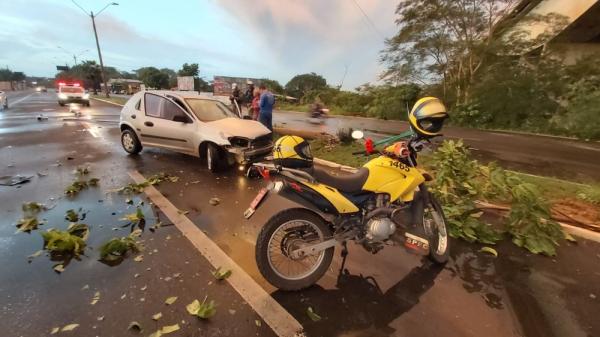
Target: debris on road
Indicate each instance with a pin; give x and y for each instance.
(14, 180)
(214, 201)
(221, 275)
(165, 330)
(489, 250)
(157, 316)
(116, 249)
(69, 327)
(312, 315)
(135, 326)
(96, 298)
(171, 300)
(28, 224)
(59, 268)
(202, 310)
(42, 118)
(71, 241)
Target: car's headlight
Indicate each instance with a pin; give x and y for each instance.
(86, 96)
(239, 141)
(62, 96)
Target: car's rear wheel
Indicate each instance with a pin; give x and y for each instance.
(130, 142)
(213, 158)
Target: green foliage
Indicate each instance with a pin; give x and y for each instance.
(202, 310)
(590, 194)
(116, 248)
(134, 217)
(32, 207)
(134, 188)
(391, 102)
(27, 224)
(300, 85)
(71, 241)
(273, 85)
(189, 70)
(71, 215)
(457, 188)
(153, 77)
(221, 274)
(79, 185)
(530, 224)
(460, 181)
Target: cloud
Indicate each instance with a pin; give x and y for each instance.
(316, 35)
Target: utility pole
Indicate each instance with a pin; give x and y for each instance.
(94, 16)
(102, 75)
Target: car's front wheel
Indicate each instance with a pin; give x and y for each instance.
(213, 158)
(130, 142)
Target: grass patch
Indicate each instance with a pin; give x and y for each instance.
(341, 154)
(114, 99)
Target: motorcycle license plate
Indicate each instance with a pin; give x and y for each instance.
(259, 197)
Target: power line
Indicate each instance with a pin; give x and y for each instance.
(372, 25)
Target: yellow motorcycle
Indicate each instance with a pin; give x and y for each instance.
(295, 247)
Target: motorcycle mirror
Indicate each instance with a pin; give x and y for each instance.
(357, 134)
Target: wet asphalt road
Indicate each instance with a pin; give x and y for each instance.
(392, 293)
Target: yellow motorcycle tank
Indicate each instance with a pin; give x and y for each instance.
(391, 176)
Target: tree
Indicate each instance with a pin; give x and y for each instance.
(6, 74)
(189, 70)
(273, 85)
(300, 85)
(153, 78)
(128, 75)
(172, 76)
(442, 40)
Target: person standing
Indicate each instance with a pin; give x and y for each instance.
(266, 103)
(236, 97)
(255, 106)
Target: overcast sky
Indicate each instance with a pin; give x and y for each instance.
(263, 38)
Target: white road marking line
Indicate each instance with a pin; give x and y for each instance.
(280, 321)
(93, 130)
(19, 100)
(106, 101)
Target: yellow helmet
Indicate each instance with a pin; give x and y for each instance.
(427, 116)
(292, 152)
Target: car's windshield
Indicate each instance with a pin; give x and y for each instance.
(208, 110)
(71, 89)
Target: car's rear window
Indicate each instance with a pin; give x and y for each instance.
(208, 110)
(71, 89)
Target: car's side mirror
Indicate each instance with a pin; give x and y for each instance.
(357, 134)
(182, 119)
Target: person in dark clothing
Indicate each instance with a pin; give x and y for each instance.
(249, 94)
(266, 103)
(236, 96)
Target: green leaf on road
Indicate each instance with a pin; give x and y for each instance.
(138, 258)
(28, 224)
(96, 298)
(59, 268)
(569, 237)
(69, 327)
(116, 248)
(134, 217)
(72, 216)
(171, 300)
(165, 330)
(221, 275)
(202, 310)
(258, 323)
(93, 182)
(489, 250)
(312, 315)
(33, 207)
(69, 241)
(54, 330)
(157, 316)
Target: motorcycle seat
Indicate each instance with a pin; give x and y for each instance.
(350, 183)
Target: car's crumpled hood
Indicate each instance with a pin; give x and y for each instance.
(240, 127)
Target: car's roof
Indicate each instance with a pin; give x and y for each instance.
(181, 94)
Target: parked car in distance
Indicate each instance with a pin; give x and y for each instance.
(192, 124)
(3, 100)
(72, 93)
(41, 88)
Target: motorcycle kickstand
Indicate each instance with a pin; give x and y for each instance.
(344, 254)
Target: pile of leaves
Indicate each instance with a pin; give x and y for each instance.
(461, 181)
(117, 248)
(204, 310)
(134, 188)
(29, 220)
(72, 241)
(81, 183)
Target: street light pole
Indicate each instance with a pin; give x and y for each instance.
(102, 75)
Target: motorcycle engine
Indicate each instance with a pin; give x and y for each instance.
(379, 229)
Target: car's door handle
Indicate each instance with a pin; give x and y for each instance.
(148, 124)
(133, 116)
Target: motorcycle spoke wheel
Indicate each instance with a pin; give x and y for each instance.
(289, 236)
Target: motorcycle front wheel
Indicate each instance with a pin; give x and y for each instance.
(434, 224)
(285, 232)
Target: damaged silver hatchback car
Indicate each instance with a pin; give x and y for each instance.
(192, 124)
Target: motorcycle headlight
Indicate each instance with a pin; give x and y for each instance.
(62, 96)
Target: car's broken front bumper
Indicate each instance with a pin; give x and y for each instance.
(249, 155)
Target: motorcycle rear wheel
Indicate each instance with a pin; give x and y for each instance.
(434, 224)
(284, 232)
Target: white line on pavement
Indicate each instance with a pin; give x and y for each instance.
(19, 100)
(280, 321)
(106, 101)
(93, 130)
